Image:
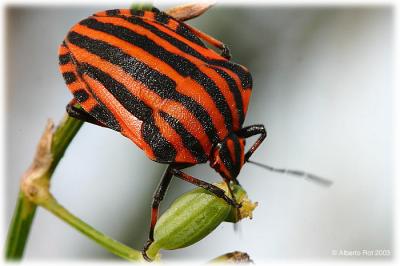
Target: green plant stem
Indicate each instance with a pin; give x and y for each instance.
(35, 191)
(108, 243)
(63, 136)
(19, 227)
(142, 5)
(25, 209)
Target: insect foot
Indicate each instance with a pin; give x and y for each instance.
(194, 215)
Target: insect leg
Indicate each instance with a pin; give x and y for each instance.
(227, 181)
(250, 131)
(207, 186)
(157, 198)
(214, 42)
(81, 114)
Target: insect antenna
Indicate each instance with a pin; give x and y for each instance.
(307, 176)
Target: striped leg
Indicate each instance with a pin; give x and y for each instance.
(214, 42)
(157, 198)
(250, 131)
(81, 114)
(207, 186)
(211, 188)
(238, 205)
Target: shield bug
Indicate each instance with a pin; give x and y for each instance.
(150, 77)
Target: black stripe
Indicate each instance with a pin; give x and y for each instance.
(64, 59)
(158, 82)
(81, 95)
(155, 81)
(187, 34)
(163, 150)
(162, 18)
(189, 141)
(225, 156)
(218, 98)
(137, 12)
(69, 77)
(243, 75)
(113, 12)
(235, 91)
(183, 66)
(237, 151)
(101, 113)
(130, 102)
(242, 151)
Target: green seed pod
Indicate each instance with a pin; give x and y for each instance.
(194, 215)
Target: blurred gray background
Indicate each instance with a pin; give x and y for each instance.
(322, 87)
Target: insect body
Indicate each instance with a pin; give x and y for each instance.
(151, 77)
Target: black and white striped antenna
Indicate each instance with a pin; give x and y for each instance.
(301, 174)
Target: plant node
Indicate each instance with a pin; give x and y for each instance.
(35, 181)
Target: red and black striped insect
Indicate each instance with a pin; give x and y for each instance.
(151, 78)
